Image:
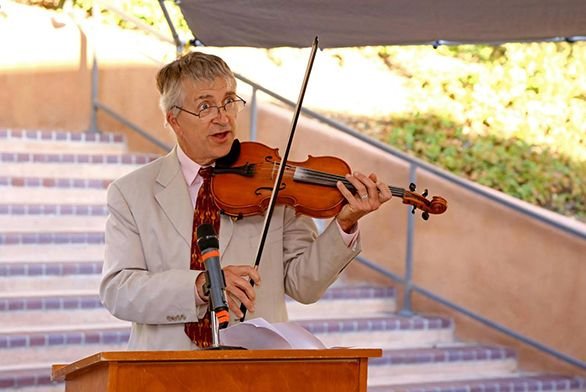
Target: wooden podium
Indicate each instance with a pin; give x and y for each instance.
(219, 371)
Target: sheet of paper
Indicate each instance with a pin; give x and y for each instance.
(258, 334)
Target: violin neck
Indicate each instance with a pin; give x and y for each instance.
(316, 177)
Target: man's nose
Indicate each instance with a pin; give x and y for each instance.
(221, 114)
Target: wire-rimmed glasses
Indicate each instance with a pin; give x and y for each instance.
(231, 107)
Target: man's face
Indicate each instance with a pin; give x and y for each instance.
(205, 140)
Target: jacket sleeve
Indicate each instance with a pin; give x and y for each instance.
(312, 263)
(128, 289)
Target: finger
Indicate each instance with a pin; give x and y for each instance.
(241, 297)
(357, 183)
(245, 271)
(384, 192)
(239, 283)
(346, 193)
(234, 305)
(370, 183)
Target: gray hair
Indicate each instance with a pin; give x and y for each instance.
(195, 66)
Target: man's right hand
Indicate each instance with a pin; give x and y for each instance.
(238, 287)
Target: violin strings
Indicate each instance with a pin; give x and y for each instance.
(319, 177)
(323, 177)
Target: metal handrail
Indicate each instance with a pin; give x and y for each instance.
(507, 331)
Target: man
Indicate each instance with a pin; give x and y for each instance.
(147, 277)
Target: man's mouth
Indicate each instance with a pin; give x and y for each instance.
(220, 136)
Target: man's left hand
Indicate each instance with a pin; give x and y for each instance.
(370, 195)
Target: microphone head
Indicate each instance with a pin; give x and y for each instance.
(206, 237)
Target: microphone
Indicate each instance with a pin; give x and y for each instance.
(208, 243)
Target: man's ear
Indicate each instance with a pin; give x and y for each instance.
(171, 119)
(173, 123)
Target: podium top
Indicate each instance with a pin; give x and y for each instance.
(60, 371)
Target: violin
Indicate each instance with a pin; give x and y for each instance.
(242, 184)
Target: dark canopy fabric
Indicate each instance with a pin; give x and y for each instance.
(345, 23)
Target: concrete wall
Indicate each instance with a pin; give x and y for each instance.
(497, 262)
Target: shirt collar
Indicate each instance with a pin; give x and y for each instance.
(189, 168)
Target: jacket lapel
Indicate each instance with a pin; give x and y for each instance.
(173, 196)
(226, 230)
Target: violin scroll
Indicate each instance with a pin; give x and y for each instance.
(437, 204)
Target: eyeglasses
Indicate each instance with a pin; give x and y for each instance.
(231, 107)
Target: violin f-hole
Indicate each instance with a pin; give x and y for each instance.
(267, 188)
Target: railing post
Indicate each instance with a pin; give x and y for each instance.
(407, 309)
(94, 97)
(253, 114)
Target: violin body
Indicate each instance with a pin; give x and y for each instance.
(245, 188)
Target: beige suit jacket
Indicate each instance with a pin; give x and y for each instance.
(146, 277)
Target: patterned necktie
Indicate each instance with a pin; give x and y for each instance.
(206, 211)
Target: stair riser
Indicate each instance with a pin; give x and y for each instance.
(78, 158)
(15, 239)
(20, 210)
(62, 183)
(50, 269)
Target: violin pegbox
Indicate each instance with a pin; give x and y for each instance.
(437, 205)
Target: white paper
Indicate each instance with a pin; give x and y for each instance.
(259, 334)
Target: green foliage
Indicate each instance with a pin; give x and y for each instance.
(511, 117)
(532, 173)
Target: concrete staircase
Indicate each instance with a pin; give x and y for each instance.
(52, 215)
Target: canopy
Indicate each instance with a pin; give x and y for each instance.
(345, 23)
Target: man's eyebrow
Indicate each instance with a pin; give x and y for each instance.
(208, 96)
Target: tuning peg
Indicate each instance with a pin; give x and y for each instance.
(413, 210)
(425, 215)
(424, 194)
(412, 187)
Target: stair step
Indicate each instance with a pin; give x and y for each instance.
(49, 253)
(337, 301)
(48, 223)
(50, 269)
(402, 366)
(89, 334)
(18, 140)
(392, 331)
(49, 182)
(545, 382)
(56, 196)
(34, 378)
(67, 170)
(42, 357)
(53, 209)
(51, 339)
(58, 314)
(26, 284)
(23, 302)
(24, 158)
(28, 238)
